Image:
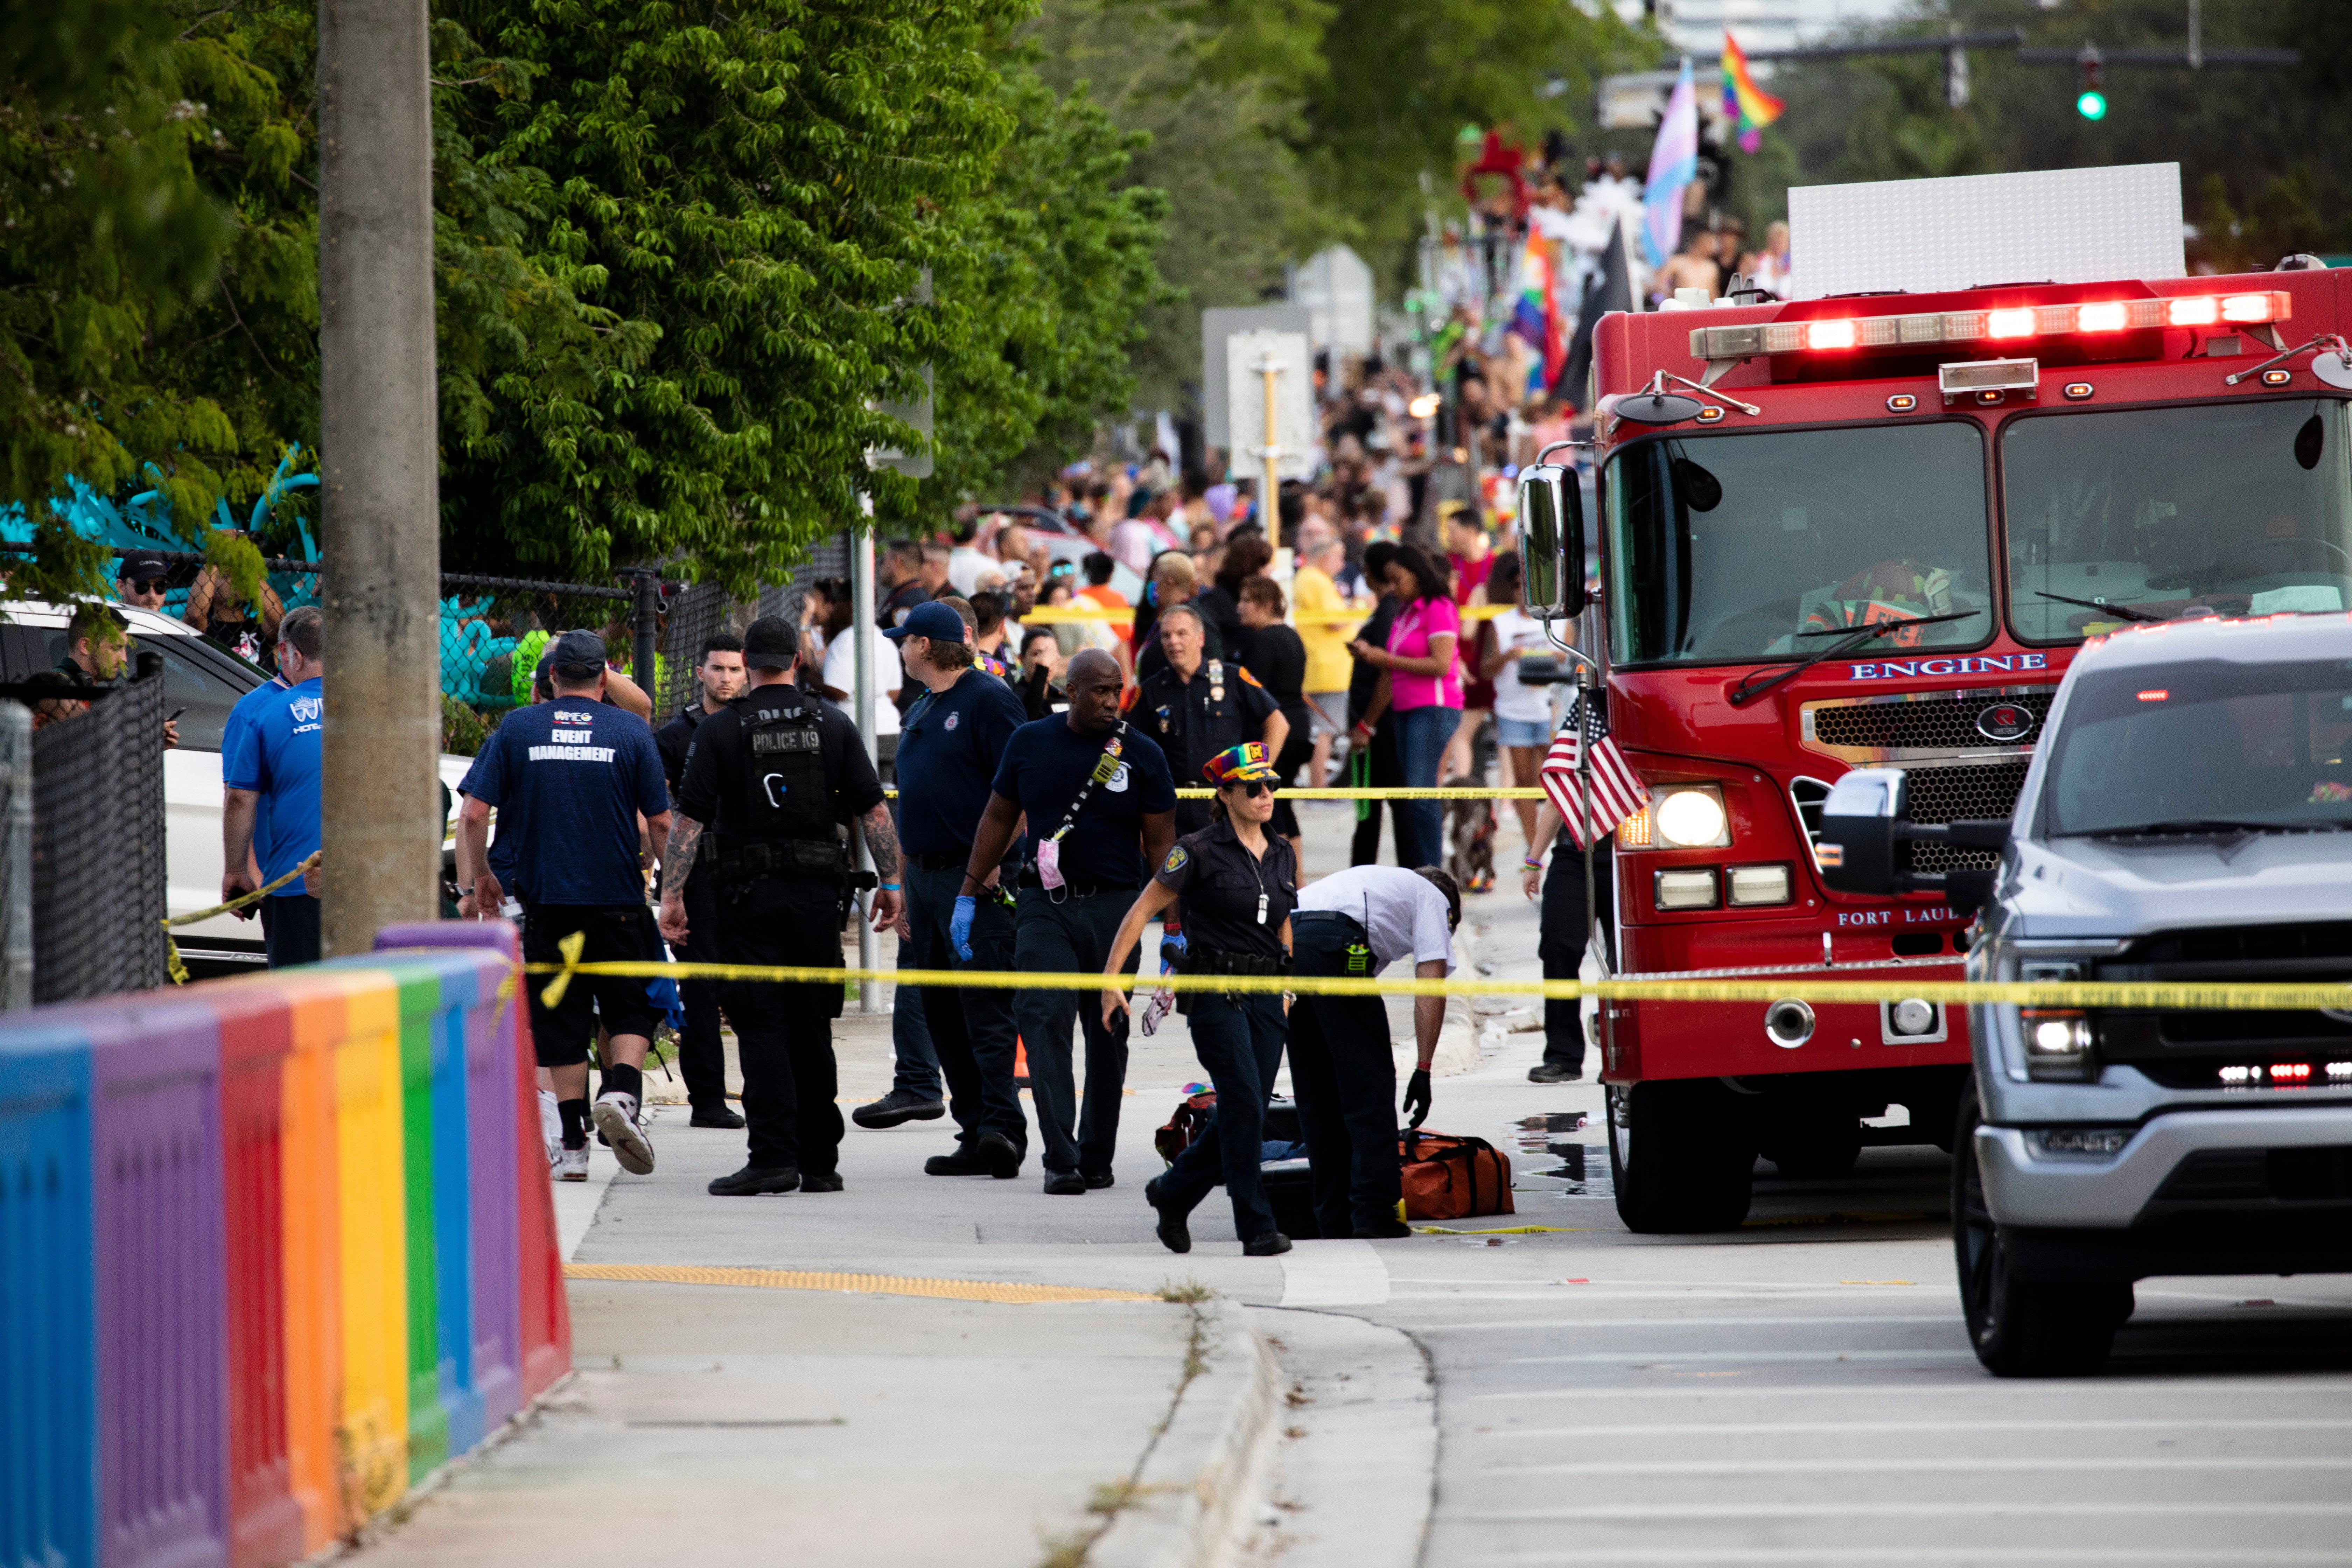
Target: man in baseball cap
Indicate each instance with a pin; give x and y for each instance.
(141, 579)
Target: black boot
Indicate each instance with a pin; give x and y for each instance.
(752, 1179)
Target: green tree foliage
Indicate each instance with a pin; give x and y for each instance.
(1055, 266)
(1215, 132)
(2256, 147)
(109, 247)
(1402, 78)
(675, 248)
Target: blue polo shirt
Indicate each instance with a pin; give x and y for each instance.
(1045, 765)
(568, 778)
(277, 755)
(948, 749)
(241, 719)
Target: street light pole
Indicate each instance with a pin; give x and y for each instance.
(380, 821)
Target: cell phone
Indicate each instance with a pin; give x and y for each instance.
(174, 713)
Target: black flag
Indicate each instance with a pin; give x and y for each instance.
(1608, 291)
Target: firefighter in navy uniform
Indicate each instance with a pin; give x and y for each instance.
(773, 777)
(1196, 707)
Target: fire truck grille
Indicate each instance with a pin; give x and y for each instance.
(1950, 794)
(1938, 725)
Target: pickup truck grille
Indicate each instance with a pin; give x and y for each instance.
(1950, 794)
(2283, 1176)
(2186, 1050)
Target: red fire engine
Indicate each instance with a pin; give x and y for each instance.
(1870, 530)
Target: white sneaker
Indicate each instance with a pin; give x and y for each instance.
(570, 1165)
(615, 1115)
(550, 1126)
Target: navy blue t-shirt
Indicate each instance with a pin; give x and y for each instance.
(1045, 764)
(948, 750)
(570, 778)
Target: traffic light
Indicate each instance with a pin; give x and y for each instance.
(2090, 94)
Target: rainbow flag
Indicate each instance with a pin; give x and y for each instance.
(1743, 100)
(1535, 315)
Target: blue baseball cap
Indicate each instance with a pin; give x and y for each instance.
(933, 620)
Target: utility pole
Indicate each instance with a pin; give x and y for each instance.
(1270, 507)
(863, 697)
(381, 816)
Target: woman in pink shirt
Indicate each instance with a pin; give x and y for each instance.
(1421, 683)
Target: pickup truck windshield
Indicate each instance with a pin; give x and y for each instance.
(2214, 744)
(2226, 508)
(1733, 548)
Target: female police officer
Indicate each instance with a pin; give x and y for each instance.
(1238, 884)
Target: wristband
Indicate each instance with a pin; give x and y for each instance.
(886, 887)
(1531, 863)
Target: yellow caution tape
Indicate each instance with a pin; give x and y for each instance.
(1382, 791)
(2172, 996)
(171, 964)
(243, 899)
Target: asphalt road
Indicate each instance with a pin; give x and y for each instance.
(1801, 1391)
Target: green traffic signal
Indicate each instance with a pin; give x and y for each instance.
(2091, 105)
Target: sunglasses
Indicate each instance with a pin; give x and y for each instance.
(1254, 787)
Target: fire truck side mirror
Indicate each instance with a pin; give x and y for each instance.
(1552, 540)
(1860, 831)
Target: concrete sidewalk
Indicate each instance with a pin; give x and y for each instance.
(853, 1423)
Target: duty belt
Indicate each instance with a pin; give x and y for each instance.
(1216, 961)
(796, 858)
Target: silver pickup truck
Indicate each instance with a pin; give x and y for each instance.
(2188, 816)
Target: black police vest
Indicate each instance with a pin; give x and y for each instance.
(787, 795)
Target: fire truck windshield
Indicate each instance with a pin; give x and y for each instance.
(2228, 509)
(1730, 549)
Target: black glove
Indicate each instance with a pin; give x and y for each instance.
(1416, 1096)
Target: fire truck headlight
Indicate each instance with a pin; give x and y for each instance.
(1691, 816)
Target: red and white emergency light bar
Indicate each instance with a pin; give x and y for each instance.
(1832, 333)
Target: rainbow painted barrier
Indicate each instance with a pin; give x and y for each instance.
(270, 1249)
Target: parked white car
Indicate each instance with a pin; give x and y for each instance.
(206, 682)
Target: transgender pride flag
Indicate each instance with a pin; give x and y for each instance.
(1674, 165)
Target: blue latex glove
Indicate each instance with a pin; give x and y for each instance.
(1171, 941)
(959, 926)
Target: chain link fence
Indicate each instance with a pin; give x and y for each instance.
(98, 868)
(493, 630)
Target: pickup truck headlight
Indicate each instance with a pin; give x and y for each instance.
(2058, 1042)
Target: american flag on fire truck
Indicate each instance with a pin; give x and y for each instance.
(1617, 792)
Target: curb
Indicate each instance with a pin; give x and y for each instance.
(1206, 1464)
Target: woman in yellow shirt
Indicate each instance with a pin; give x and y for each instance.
(1316, 601)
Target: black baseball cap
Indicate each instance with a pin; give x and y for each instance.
(573, 651)
(770, 642)
(139, 565)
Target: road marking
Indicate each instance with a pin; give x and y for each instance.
(1667, 1357)
(1586, 1555)
(861, 1284)
(1333, 1274)
(1838, 1428)
(2302, 1383)
(1947, 1319)
(1939, 1463)
(1978, 1509)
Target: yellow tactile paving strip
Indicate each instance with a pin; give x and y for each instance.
(867, 1284)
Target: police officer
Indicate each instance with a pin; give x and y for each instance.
(570, 778)
(1101, 809)
(1357, 923)
(773, 777)
(1196, 708)
(1238, 882)
(948, 752)
(701, 1061)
